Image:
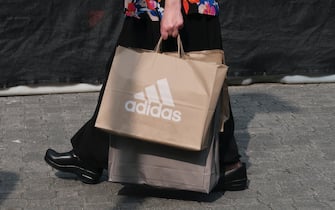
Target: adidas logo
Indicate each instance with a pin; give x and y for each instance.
(155, 103)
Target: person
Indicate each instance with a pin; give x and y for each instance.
(197, 23)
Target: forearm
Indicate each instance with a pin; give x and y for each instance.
(172, 19)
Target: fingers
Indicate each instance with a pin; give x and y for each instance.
(167, 33)
(170, 31)
(164, 35)
(175, 33)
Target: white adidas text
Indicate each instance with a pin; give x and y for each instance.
(154, 110)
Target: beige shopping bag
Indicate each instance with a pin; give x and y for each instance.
(140, 162)
(162, 98)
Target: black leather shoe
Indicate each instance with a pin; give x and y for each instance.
(69, 162)
(233, 180)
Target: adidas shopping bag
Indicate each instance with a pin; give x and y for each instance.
(161, 98)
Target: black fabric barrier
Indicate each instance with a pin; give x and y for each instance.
(61, 42)
(57, 41)
(273, 38)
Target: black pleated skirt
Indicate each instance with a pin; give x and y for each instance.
(200, 32)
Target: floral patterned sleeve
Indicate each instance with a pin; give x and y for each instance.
(154, 8)
(207, 7)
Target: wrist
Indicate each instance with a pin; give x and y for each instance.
(172, 4)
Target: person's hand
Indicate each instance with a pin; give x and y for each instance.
(172, 19)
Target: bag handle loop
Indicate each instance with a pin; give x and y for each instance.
(181, 52)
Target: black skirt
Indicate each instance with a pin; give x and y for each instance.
(200, 32)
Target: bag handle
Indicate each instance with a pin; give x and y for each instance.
(181, 52)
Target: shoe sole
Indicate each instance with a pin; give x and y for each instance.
(84, 175)
(236, 185)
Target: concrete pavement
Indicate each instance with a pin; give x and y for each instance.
(285, 134)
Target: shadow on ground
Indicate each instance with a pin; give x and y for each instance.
(250, 105)
(71, 176)
(246, 106)
(8, 181)
(147, 191)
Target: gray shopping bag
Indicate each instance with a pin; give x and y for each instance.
(141, 162)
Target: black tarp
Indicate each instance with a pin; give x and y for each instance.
(61, 42)
(288, 37)
(56, 41)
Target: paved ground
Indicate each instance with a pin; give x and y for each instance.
(285, 133)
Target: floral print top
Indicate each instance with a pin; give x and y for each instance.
(154, 8)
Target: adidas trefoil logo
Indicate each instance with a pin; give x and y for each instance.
(155, 103)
